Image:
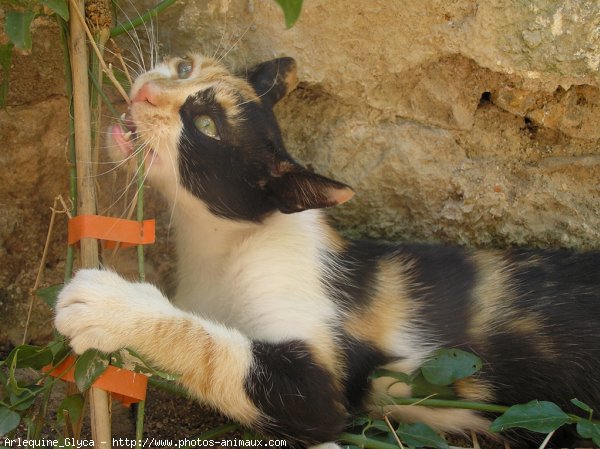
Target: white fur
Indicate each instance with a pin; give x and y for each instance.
(99, 309)
(263, 279)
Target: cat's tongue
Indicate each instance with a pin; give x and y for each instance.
(123, 139)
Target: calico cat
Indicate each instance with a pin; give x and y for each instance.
(277, 320)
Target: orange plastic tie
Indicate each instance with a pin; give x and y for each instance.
(126, 386)
(111, 230)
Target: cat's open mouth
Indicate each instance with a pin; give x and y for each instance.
(125, 134)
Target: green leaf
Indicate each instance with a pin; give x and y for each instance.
(9, 420)
(449, 365)
(382, 372)
(73, 405)
(13, 385)
(25, 398)
(49, 294)
(27, 356)
(360, 421)
(88, 367)
(6, 52)
(423, 389)
(140, 365)
(582, 405)
(590, 430)
(291, 11)
(419, 435)
(60, 7)
(60, 350)
(378, 424)
(18, 28)
(538, 416)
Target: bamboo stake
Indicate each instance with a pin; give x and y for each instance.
(99, 401)
(76, 11)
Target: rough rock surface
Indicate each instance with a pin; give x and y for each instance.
(475, 123)
(464, 122)
(33, 129)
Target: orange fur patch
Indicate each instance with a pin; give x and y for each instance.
(389, 306)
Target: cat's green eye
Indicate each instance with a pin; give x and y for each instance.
(184, 69)
(206, 126)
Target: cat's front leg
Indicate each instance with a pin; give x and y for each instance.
(100, 310)
(277, 387)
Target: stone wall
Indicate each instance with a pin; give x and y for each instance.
(467, 122)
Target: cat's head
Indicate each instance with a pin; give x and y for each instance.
(215, 135)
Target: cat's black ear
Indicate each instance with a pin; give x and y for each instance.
(293, 188)
(273, 80)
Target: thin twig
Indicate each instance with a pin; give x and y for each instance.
(105, 68)
(422, 400)
(65, 207)
(122, 61)
(389, 424)
(40, 272)
(547, 440)
(475, 441)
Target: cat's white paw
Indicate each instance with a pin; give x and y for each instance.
(329, 445)
(101, 310)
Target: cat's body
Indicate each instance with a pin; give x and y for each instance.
(279, 321)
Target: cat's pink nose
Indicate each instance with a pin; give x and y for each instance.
(146, 94)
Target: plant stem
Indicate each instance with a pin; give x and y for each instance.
(39, 421)
(64, 38)
(363, 441)
(139, 423)
(140, 211)
(148, 15)
(101, 38)
(103, 95)
(447, 403)
(467, 405)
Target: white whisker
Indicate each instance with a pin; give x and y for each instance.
(236, 42)
(216, 52)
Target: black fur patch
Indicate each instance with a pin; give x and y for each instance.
(361, 360)
(269, 79)
(354, 271)
(229, 174)
(562, 288)
(297, 394)
(442, 282)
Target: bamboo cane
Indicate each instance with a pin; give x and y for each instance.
(99, 401)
